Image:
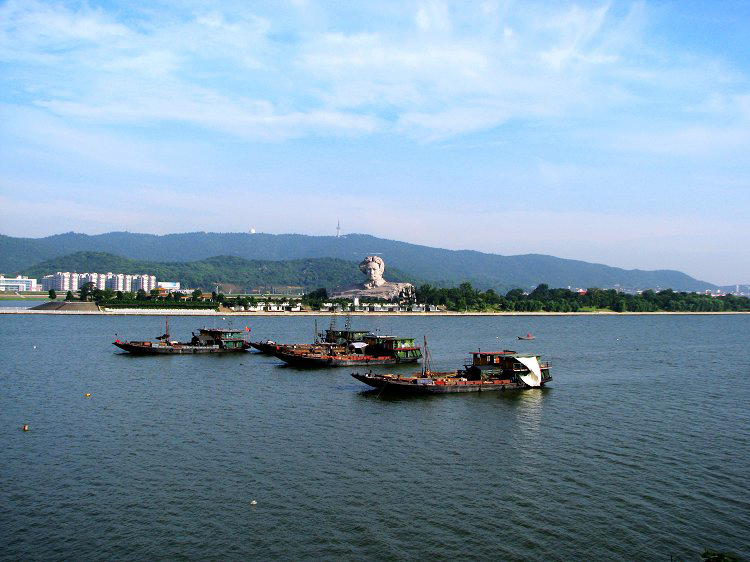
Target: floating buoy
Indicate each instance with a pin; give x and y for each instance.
(87, 395)
(25, 427)
(253, 502)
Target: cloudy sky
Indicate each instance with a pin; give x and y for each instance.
(611, 132)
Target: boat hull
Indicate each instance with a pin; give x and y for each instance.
(321, 361)
(139, 348)
(265, 347)
(412, 386)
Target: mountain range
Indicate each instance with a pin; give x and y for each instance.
(433, 265)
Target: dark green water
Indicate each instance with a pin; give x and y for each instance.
(638, 450)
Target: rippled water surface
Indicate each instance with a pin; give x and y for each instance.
(639, 449)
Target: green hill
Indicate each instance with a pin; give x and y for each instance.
(434, 265)
(218, 270)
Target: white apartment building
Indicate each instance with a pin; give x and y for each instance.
(98, 279)
(119, 282)
(61, 281)
(67, 281)
(146, 282)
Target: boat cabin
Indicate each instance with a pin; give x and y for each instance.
(403, 348)
(342, 337)
(227, 339)
(506, 364)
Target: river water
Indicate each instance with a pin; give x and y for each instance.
(639, 449)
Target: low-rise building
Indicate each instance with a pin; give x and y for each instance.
(19, 283)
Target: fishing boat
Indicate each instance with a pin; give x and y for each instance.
(208, 340)
(488, 371)
(330, 336)
(526, 337)
(267, 346)
(372, 350)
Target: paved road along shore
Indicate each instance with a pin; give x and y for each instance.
(175, 312)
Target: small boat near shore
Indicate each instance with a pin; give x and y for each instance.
(208, 340)
(488, 371)
(372, 350)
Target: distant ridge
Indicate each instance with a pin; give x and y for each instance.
(434, 265)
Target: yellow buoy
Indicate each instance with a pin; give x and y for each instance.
(87, 395)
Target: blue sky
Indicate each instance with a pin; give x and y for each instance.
(610, 132)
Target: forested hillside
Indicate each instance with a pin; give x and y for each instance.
(435, 265)
(219, 270)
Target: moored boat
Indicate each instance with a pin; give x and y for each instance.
(488, 371)
(372, 350)
(329, 336)
(267, 346)
(208, 340)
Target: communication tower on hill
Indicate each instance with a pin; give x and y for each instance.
(338, 229)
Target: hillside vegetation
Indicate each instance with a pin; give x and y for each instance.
(218, 270)
(434, 265)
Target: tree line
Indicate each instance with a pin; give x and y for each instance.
(543, 299)
(461, 298)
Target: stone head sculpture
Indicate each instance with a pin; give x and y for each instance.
(373, 267)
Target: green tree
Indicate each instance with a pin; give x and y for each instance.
(514, 294)
(52, 294)
(69, 296)
(86, 291)
(197, 294)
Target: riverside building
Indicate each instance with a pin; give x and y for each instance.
(19, 283)
(71, 281)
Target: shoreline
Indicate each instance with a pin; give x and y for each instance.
(173, 312)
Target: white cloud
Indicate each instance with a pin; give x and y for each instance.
(457, 69)
(432, 15)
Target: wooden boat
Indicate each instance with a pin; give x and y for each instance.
(373, 350)
(267, 346)
(208, 340)
(330, 336)
(488, 371)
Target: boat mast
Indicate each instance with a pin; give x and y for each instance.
(426, 360)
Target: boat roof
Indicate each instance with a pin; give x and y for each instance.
(388, 337)
(504, 353)
(222, 330)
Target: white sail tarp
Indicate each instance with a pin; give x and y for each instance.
(534, 377)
